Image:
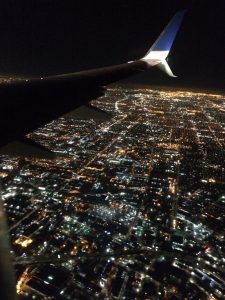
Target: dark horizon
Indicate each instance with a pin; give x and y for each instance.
(51, 37)
(166, 87)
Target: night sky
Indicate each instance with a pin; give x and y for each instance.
(51, 36)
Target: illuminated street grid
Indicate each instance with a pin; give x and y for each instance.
(132, 208)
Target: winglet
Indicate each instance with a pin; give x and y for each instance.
(166, 68)
(159, 51)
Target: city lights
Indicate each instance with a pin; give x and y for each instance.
(134, 209)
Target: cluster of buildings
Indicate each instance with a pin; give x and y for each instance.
(131, 208)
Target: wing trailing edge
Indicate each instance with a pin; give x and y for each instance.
(27, 148)
(89, 112)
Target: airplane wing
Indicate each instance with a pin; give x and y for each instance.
(29, 104)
